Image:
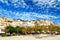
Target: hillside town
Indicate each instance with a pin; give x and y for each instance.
(7, 21)
(4, 22)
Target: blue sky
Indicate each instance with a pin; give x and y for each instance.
(31, 9)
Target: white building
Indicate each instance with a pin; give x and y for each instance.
(28, 24)
(1, 29)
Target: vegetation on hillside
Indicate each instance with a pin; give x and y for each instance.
(30, 30)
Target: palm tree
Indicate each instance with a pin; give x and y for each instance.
(58, 29)
(30, 30)
(23, 30)
(53, 29)
(41, 28)
(36, 26)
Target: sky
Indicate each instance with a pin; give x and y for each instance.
(31, 9)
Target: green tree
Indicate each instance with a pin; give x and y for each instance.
(9, 29)
(17, 29)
